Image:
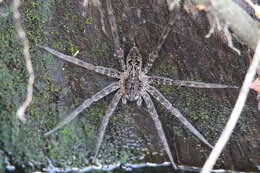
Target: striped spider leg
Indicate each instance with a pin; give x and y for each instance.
(110, 72)
(169, 81)
(99, 95)
(161, 99)
(166, 31)
(105, 120)
(158, 125)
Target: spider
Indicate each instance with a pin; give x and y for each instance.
(134, 84)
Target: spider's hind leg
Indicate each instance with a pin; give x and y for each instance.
(162, 100)
(169, 81)
(158, 125)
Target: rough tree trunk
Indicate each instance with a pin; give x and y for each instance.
(68, 27)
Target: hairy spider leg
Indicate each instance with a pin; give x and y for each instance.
(105, 120)
(169, 81)
(166, 31)
(158, 125)
(110, 72)
(161, 99)
(99, 95)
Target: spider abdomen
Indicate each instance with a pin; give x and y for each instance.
(133, 86)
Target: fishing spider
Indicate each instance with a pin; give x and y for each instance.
(134, 84)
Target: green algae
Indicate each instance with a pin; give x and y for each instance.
(26, 141)
(88, 20)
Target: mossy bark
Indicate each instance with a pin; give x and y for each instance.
(60, 87)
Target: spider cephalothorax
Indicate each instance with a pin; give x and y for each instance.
(134, 84)
(134, 60)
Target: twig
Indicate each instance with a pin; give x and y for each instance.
(16, 14)
(235, 113)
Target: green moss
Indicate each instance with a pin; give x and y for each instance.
(96, 112)
(124, 157)
(24, 140)
(65, 91)
(88, 20)
(193, 77)
(37, 14)
(2, 167)
(165, 89)
(72, 48)
(99, 49)
(69, 16)
(165, 66)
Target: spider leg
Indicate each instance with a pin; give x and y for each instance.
(99, 95)
(166, 31)
(159, 97)
(105, 120)
(110, 72)
(158, 125)
(169, 81)
(119, 52)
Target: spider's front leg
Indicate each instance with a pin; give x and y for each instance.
(110, 72)
(99, 95)
(119, 52)
(166, 31)
(158, 125)
(105, 120)
(169, 81)
(161, 99)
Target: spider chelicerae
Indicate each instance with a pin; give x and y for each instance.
(134, 84)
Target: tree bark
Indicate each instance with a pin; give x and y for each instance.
(69, 27)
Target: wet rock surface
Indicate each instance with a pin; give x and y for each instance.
(131, 137)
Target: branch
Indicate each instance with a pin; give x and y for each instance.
(235, 113)
(21, 110)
